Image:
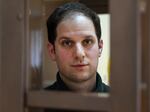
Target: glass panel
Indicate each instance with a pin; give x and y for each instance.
(44, 70)
(50, 70)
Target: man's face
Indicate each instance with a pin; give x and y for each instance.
(76, 49)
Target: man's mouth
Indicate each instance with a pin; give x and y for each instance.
(79, 65)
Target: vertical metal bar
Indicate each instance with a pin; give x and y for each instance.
(148, 7)
(146, 57)
(12, 56)
(0, 54)
(138, 57)
(123, 55)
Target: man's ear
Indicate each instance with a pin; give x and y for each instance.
(100, 45)
(51, 51)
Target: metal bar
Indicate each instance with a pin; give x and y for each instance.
(123, 55)
(148, 7)
(11, 89)
(68, 100)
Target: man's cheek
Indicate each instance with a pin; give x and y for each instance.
(65, 55)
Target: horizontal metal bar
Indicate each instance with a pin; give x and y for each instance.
(69, 100)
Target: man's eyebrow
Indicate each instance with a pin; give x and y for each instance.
(64, 38)
(89, 36)
(68, 38)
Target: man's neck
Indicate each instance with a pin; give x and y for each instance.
(84, 86)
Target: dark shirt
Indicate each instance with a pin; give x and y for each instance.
(59, 85)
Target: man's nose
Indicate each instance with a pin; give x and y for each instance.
(79, 51)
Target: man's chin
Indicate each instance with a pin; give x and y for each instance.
(81, 77)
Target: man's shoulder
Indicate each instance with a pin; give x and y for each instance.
(53, 86)
(105, 87)
(100, 85)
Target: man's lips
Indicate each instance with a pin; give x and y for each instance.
(79, 65)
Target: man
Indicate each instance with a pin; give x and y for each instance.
(75, 43)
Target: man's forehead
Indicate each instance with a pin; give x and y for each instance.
(78, 33)
(77, 22)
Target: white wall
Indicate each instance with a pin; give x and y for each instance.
(104, 60)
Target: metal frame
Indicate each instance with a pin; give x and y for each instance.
(12, 41)
(124, 55)
(148, 7)
(145, 26)
(0, 52)
(38, 99)
(124, 44)
(69, 101)
(14, 65)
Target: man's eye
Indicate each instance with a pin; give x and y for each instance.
(88, 42)
(67, 43)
